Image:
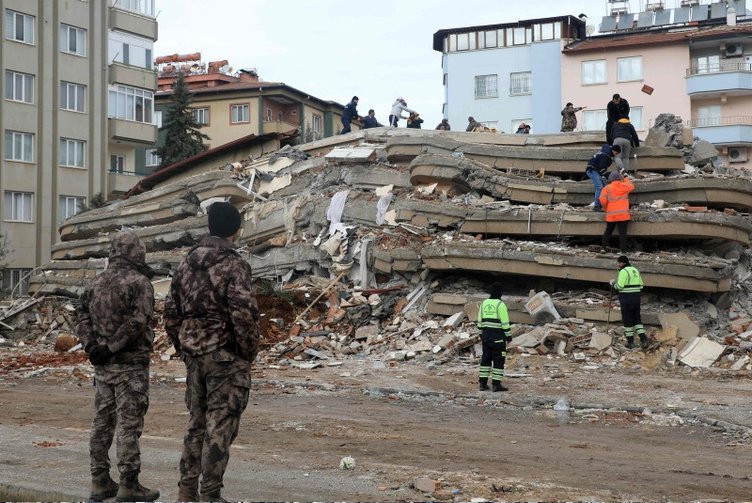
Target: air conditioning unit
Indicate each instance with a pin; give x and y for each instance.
(737, 154)
(734, 49)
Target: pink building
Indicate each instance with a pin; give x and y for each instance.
(700, 72)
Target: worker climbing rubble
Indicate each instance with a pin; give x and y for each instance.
(614, 199)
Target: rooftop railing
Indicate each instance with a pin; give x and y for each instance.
(719, 68)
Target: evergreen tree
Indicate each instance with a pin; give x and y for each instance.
(183, 138)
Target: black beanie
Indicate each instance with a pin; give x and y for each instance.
(224, 220)
(623, 259)
(495, 291)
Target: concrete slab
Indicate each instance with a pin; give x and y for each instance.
(700, 352)
(686, 329)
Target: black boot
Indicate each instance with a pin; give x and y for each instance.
(102, 487)
(644, 341)
(483, 383)
(131, 490)
(630, 342)
(497, 386)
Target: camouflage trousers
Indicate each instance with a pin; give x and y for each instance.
(218, 386)
(120, 403)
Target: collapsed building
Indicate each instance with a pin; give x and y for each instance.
(409, 221)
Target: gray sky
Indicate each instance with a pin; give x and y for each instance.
(334, 49)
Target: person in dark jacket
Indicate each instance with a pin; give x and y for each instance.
(212, 319)
(444, 125)
(625, 136)
(369, 121)
(597, 169)
(414, 121)
(523, 129)
(114, 326)
(617, 108)
(568, 117)
(349, 114)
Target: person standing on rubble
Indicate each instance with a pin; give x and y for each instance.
(615, 201)
(414, 121)
(493, 321)
(568, 117)
(473, 125)
(444, 125)
(625, 136)
(211, 317)
(370, 121)
(114, 326)
(617, 108)
(399, 106)
(597, 170)
(349, 114)
(629, 285)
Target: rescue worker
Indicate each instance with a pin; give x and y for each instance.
(444, 125)
(473, 125)
(597, 169)
(370, 121)
(349, 114)
(629, 285)
(114, 326)
(624, 135)
(614, 199)
(211, 317)
(399, 106)
(617, 108)
(493, 320)
(568, 117)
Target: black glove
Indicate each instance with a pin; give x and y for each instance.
(99, 354)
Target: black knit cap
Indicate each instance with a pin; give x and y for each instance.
(224, 220)
(623, 259)
(496, 290)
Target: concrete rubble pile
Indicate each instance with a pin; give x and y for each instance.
(388, 238)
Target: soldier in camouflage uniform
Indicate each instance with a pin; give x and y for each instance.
(114, 325)
(211, 317)
(568, 117)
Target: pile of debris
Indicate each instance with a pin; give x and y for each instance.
(370, 239)
(46, 320)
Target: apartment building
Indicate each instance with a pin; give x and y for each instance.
(504, 74)
(231, 105)
(695, 58)
(78, 98)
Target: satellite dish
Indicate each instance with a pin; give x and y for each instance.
(590, 30)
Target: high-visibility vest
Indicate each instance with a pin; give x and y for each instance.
(492, 313)
(629, 280)
(615, 200)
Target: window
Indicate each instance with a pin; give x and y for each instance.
(16, 281)
(239, 114)
(316, 123)
(19, 86)
(708, 64)
(72, 96)
(19, 27)
(69, 206)
(129, 49)
(462, 42)
(72, 152)
(201, 116)
(158, 118)
(486, 86)
(594, 120)
(629, 69)
(520, 83)
(145, 7)
(131, 104)
(635, 117)
(72, 40)
(594, 72)
(268, 115)
(446, 79)
(452, 43)
(17, 206)
(490, 38)
(19, 146)
(117, 163)
(152, 159)
(547, 31)
(519, 36)
(708, 115)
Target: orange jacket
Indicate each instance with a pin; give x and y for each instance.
(615, 200)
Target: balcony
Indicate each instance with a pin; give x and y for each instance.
(137, 134)
(132, 22)
(724, 78)
(730, 130)
(120, 182)
(133, 76)
(279, 126)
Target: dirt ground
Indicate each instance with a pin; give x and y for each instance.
(415, 420)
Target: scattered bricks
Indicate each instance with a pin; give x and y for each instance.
(447, 341)
(294, 331)
(421, 346)
(739, 326)
(580, 340)
(542, 349)
(696, 209)
(729, 211)
(426, 485)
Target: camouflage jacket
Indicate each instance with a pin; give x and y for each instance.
(211, 304)
(118, 306)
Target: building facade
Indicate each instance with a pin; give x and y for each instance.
(78, 96)
(697, 60)
(232, 106)
(505, 74)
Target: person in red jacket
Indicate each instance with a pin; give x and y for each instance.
(614, 199)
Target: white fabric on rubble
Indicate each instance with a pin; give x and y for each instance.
(336, 208)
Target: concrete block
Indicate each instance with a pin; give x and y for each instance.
(426, 485)
(447, 341)
(369, 332)
(454, 320)
(686, 328)
(701, 352)
(600, 341)
(740, 363)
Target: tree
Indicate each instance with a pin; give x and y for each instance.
(183, 138)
